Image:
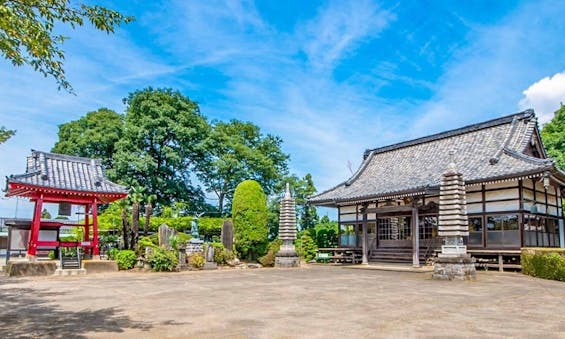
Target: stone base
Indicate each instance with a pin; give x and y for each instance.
(67, 272)
(30, 269)
(454, 268)
(210, 266)
(100, 266)
(287, 262)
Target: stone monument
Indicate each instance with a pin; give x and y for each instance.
(227, 235)
(453, 263)
(287, 256)
(210, 264)
(165, 234)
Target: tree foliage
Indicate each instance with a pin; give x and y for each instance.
(236, 151)
(93, 136)
(5, 134)
(553, 135)
(160, 145)
(27, 34)
(249, 215)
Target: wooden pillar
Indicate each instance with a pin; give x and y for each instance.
(87, 226)
(96, 250)
(365, 260)
(415, 237)
(35, 226)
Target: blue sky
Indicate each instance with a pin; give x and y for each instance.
(331, 78)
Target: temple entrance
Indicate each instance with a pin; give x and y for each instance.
(394, 231)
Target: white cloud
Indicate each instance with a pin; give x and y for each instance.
(485, 78)
(545, 96)
(339, 28)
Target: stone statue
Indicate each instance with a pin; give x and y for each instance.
(194, 228)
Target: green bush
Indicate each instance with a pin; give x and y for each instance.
(220, 252)
(196, 260)
(112, 253)
(164, 260)
(272, 250)
(249, 215)
(51, 255)
(144, 242)
(546, 263)
(306, 247)
(126, 259)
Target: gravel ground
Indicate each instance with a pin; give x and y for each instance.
(309, 302)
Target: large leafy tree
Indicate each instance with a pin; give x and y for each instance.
(93, 135)
(162, 142)
(249, 215)
(236, 151)
(27, 34)
(553, 135)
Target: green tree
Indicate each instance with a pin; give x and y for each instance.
(249, 215)
(136, 198)
(5, 134)
(326, 233)
(149, 199)
(123, 206)
(45, 214)
(160, 145)
(27, 34)
(93, 136)
(236, 151)
(553, 136)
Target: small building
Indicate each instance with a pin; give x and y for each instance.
(67, 181)
(389, 207)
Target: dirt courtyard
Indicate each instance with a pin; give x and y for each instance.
(310, 302)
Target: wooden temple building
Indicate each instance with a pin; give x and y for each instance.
(65, 180)
(388, 209)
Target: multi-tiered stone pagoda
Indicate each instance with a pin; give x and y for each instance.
(287, 256)
(453, 262)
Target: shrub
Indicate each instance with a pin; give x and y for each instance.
(229, 255)
(269, 258)
(51, 255)
(126, 259)
(112, 253)
(249, 214)
(144, 242)
(164, 260)
(546, 263)
(306, 247)
(196, 260)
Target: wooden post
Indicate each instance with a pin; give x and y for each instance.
(415, 237)
(87, 227)
(96, 250)
(365, 260)
(35, 226)
(500, 262)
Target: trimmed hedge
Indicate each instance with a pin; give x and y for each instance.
(546, 263)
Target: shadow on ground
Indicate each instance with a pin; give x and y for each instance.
(26, 313)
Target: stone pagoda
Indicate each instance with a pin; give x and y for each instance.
(453, 263)
(287, 256)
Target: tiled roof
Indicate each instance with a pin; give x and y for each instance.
(486, 151)
(65, 172)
